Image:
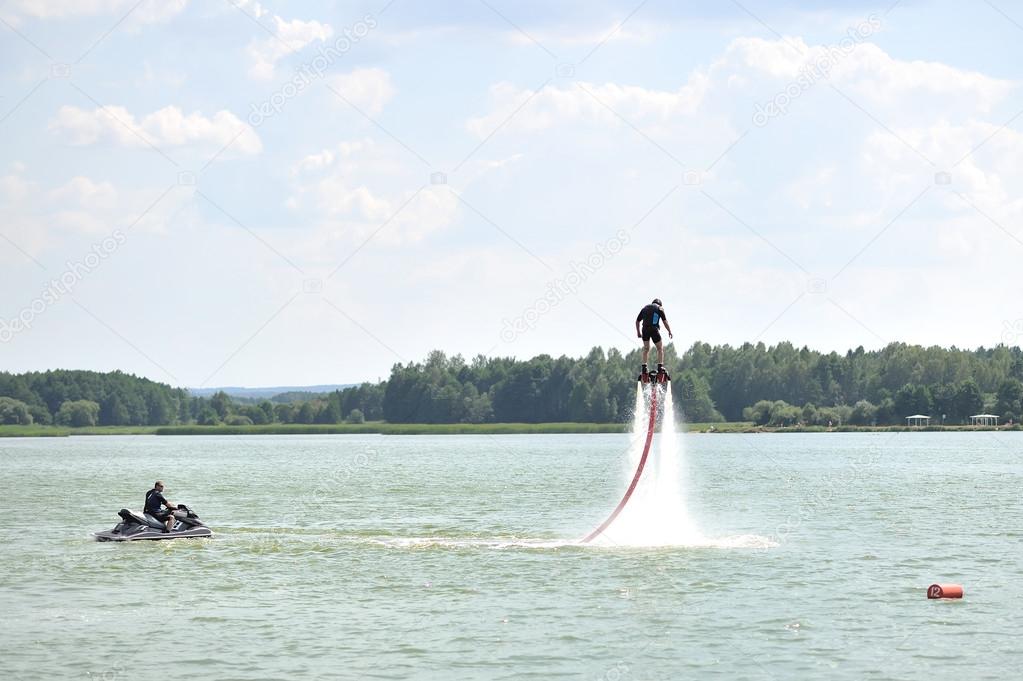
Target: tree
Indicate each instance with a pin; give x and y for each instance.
(331, 412)
(833, 416)
(355, 416)
(207, 416)
(943, 401)
(600, 406)
(14, 412)
(694, 398)
(113, 412)
(863, 414)
(887, 412)
(784, 414)
(759, 413)
(306, 413)
(160, 408)
(479, 410)
(968, 400)
(40, 415)
(913, 399)
(221, 403)
(579, 402)
(1009, 399)
(255, 414)
(78, 413)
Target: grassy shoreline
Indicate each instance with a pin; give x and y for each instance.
(63, 431)
(382, 428)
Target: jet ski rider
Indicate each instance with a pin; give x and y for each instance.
(651, 316)
(154, 503)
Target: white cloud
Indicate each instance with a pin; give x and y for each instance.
(313, 162)
(160, 77)
(866, 72)
(146, 13)
(591, 102)
(13, 186)
(573, 36)
(289, 36)
(980, 157)
(349, 191)
(41, 219)
(351, 157)
(814, 189)
(369, 89)
(252, 7)
(502, 162)
(351, 212)
(167, 127)
(84, 206)
(155, 12)
(83, 191)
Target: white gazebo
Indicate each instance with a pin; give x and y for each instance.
(918, 420)
(983, 420)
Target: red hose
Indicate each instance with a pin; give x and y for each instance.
(639, 468)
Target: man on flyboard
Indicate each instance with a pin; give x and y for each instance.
(648, 323)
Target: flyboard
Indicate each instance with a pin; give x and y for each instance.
(658, 382)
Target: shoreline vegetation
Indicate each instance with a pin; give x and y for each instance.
(383, 428)
(749, 388)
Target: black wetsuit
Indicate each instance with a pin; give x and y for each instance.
(155, 503)
(651, 316)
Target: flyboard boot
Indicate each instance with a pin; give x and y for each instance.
(659, 376)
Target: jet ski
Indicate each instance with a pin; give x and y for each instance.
(135, 525)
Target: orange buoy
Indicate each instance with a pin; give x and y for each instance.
(945, 591)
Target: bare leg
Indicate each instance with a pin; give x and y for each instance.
(170, 522)
(646, 350)
(660, 352)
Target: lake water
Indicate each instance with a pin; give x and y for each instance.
(453, 557)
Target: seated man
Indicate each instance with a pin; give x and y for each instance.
(154, 503)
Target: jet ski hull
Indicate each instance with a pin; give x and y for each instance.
(153, 534)
(135, 526)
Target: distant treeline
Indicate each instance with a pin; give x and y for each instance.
(777, 385)
(89, 398)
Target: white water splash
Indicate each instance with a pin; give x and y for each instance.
(657, 514)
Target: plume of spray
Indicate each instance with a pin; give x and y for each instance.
(656, 515)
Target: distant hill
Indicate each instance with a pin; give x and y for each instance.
(289, 393)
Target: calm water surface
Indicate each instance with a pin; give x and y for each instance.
(448, 557)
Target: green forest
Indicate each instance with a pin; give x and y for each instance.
(778, 385)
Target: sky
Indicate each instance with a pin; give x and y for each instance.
(269, 193)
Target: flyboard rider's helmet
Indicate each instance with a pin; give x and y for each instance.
(657, 301)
